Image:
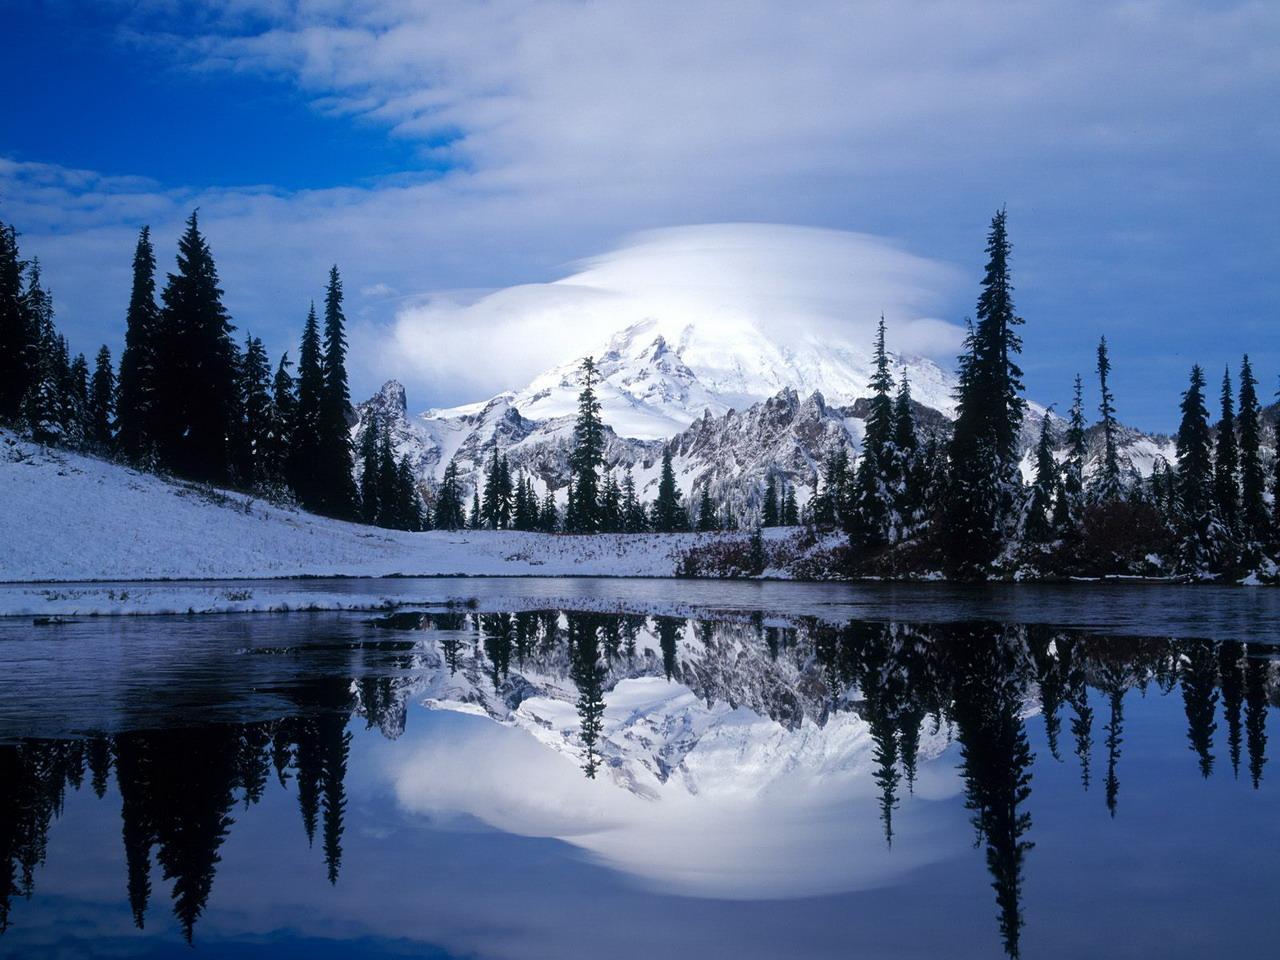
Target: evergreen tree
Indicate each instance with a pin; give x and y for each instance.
(102, 392)
(284, 413)
(706, 511)
(196, 400)
(75, 397)
(140, 363)
(1196, 519)
(1038, 526)
(609, 509)
(1077, 451)
(477, 515)
(872, 518)
(498, 492)
(668, 513)
(388, 480)
(306, 452)
(370, 469)
(336, 487)
(42, 406)
(1253, 509)
(908, 472)
(984, 487)
(523, 511)
(633, 514)
(790, 510)
(588, 454)
(1226, 467)
(1108, 483)
(827, 509)
(548, 513)
(449, 510)
(15, 330)
(769, 514)
(880, 415)
(410, 514)
(257, 409)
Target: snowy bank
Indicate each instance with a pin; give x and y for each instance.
(69, 517)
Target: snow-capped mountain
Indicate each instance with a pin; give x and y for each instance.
(733, 404)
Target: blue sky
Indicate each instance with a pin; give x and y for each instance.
(107, 103)
(441, 150)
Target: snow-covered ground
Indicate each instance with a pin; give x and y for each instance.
(69, 517)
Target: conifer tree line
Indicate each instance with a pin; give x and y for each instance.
(189, 400)
(962, 506)
(596, 500)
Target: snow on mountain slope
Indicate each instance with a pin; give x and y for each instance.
(657, 377)
(708, 389)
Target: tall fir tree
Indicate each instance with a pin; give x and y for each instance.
(872, 515)
(1253, 508)
(908, 472)
(609, 512)
(15, 330)
(136, 412)
(476, 518)
(668, 512)
(257, 412)
(835, 482)
(370, 508)
(196, 396)
(790, 508)
(1108, 484)
(770, 516)
(75, 398)
(1196, 519)
(1038, 525)
(588, 454)
(498, 493)
(284, 413)
(549, 514)
(449, 512)
(42, 404)
(707, 520)
(633, 514)
(388, 480)
(337, 493)
(102, 401)
(1226, 462)
(984, 488)
(1077, 451)
(306, 451)
(410, 514)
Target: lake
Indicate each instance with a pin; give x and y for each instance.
(585, 768)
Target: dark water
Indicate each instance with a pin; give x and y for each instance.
(800, 775)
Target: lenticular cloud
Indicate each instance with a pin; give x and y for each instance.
(786, 283)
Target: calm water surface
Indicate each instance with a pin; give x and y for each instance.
(805, 772)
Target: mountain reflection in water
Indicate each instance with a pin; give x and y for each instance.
(745, 720)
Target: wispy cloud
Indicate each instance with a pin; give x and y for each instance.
(549, 129)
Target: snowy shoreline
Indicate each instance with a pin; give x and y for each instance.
(73, 518)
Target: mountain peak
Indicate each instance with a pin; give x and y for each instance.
(391, 396)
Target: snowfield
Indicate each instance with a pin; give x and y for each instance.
(69, 517)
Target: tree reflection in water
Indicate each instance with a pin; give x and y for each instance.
(180, 786)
